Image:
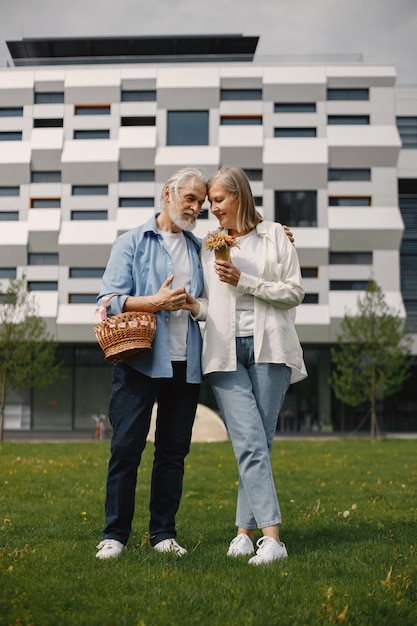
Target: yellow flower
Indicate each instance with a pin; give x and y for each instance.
(220, 239)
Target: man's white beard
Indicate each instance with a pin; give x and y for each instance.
(179, 221)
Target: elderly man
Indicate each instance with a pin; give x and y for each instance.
(155, 265)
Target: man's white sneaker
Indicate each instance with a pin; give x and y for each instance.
(268, 550)
(241, 545)
(109, 549)
(170, 545)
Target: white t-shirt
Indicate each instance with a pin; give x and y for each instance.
(247, 257)
(176, 245)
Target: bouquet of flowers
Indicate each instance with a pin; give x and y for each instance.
(220, 242)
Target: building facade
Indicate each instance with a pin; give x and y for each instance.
(91, 129)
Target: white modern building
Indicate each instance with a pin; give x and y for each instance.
(91, 128)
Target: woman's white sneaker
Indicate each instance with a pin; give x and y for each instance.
(109, 549)
(268, 550)
(241, 545)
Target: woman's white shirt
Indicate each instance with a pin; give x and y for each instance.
(275, 289)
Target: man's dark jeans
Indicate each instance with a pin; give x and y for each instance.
(132, 398)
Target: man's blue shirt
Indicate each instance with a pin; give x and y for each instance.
(138, 265)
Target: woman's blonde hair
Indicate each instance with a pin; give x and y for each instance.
(179, 180)
(235, 181)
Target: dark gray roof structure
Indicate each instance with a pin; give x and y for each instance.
(152, 49)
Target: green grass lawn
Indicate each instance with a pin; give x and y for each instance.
(350, 526)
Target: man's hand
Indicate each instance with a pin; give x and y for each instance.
(167, 299)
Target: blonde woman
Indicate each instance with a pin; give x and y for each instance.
(251, 351)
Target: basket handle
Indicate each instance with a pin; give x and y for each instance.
(102, 309)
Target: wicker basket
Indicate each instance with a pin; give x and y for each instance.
(125, 336)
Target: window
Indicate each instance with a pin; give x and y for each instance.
(9, 191)
(295, 132)
(348, 94)
(53, 176)
(309, 272)
(43, 285)
(407, 198)
(240, 94)
(45, 203)
(9, 216)
(350, 201)
(136, 176)
(350, 258)
(136, 202)
(294, 107)
(54, 122)
(43, 258)
(137, 95)
(254, 174)
(86, 272)
(348, 285)
(82, 298)
(360, 120)
(187, 128)
(11, 135)
(296, 208)
(138, 121)
(11, 111)
(91, 134)
(241, 120)
(311, 298)
(349, 174)
(90, 109)
(89, 215)
(8, 272)
(407, 127)
(90, 190)
(49, 97)
(203, 215)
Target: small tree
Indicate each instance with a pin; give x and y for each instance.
(372, 358)
(27, 352)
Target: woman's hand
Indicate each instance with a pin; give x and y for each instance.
(227, 272)
(191, 304)
(288, 232)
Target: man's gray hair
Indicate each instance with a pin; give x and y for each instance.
(179, 180)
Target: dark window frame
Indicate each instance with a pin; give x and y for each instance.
(182, 125)
(349, 174)
(91, 134)
(138, 95)
(294, 107)
(298, 207)
(240, 95)
(79, 215)
(348, 120)
(49, 97)
(348, 93)
(133, 176)
(284, 132)
(45, 176)
(90, 190)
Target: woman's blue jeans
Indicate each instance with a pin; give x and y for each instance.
(250, 399)
(132, 399)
